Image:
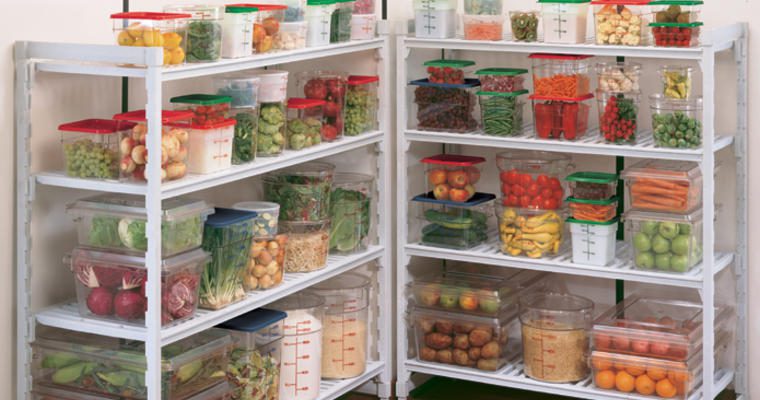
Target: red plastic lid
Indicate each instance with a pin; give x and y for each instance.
(214, 125)
(566, 57)
(355, 80)
(166, 116)
(96, 126)
(455, 160)
(565, 99)
(301, 103)
(620, 2)
(261, 7)
(156, 16)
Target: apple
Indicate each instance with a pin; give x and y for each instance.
(660, 348)
(649, 227)
(473, 174)
(645, 260)
(668, 230)
(660, 245)
(640, 346)
(449, 300)
(662, 261)
(602, 341)
(458, 195)
(441, 192)
(437, 176)
(668, 323)
(488, 304)
(468, 301)
(621, 342)
(470, 191)
(429, 295)
(457, 178)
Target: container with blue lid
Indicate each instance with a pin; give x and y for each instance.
(445, 107)
(453, 225)
(227, 226)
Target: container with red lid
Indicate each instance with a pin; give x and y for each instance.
(304, 126)
(621, 22)
(561, 118)
(210, 146)
(153, 29)
(329, 86)
(561, 75)
(91, 147)
(452, 176)
(361, 105)
(208, 109)
(267, 25)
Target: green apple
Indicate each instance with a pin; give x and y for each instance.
(668, 230)
(642, 242)
(680, 245)
(649, 227)
(662, 261)
(489, 305)
(449, 299)
(684, 229)
(645, 260)
(679, 263)
(660, 244)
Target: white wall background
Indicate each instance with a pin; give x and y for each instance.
(87, 21)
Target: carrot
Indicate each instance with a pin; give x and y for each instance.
(650, 206)
(662, 183)
(659, 191)
(678, 204)
(561, 85)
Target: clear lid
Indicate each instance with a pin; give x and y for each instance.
(297, 227)
(454, 160)
(198, 11)
(561, 57)
(627, 66)
(694, 217)
(663, 169)
(592, 177)
(344, 293)
(313, 169)
(449, 63)
(96, 126)
(166, 116)
(502, 319)
(89, 255)
(298, 301)
(260, 207)
(254, 321)
(201, 99)
(218, 392)
(349, 180)
(557, 311)
(134, 207)
(531, 159)
(305, 311)
(501, 71)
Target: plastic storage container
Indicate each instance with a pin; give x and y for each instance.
(74, 360)
(91, 147)
(254, 368)
(267, 214)
(211, 147)
(524, 25)
(340, 21)
(49, 392)
(593, 241)
(676, 11)
(237, 31)
(331, 87)
(117, 222)
(564, 20)
(622, 77)
(452, 172)
(532, 178)
(502, 80)
(666, 34)
(246, 135)
(621, 22)
(435, 19)
(267, 24)
(618, 116)
(112, 285)
(350, 212)
(292, 36)
(302, 191)
(484, 343)
(266, 262)
(273, 85)
(676, 123)
(308, 245)
(448, 71)
(501, 113)
(592, 185)
(483, 7)
(204, 31)
(363, 26)
(304, 126)
(555, 336)
(483, 27)
(295, 11)
(445, 107)
(361, 105)
(318, 16)
(560, 117)
(153, 29)
(455, 225)
(664, 186)
(134, 152)
(207, 109)
(271, 130)
(561, 75)
(530, 232)
(244, 90)
(593, 210)
(663, 241)
(676, 81)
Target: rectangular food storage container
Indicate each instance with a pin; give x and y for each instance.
(455, 225)
(676, 81)
(484, 343)
(501, 113)
(530, 232)
(561, 75)
(340, 21)
(524, 25)
(204, 31)
(117, 222)
(483, 27)
(483, 7)
(207, 109)
(593, 242)
(532, 179)
(621, 77)
(330, 86)
(174, 141)
(254, 368)
(448, 71)
(447, 173)
(618, 116)
(318, 16)
(361, 105)
(153, 29)
(308, 245)
(435, 19)
(222, 391)
(350, 212)
(304, 126)
(267, 214)
(242, 89)
(676, 123)
(211, 147)
(267, 24)
(676, 11)
(50, 392)
(564, 20)
(302, 191)
(652, 327)
(664, 186)
(363, 26)
(560, 117)
(112, 285)
(592, 185)
(621, 22)
(502, 80)
(292, 36)
(266, 261)
(271, 130)
(593, 210)
(668, 34)
(663, 241)
(74, 360)
(237, 31)
(441, 107)
(91, 147)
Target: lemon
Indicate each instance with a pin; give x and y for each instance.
(167, 57)
(172, 40)
(153, 38)
(135, 30)
(178, 55)
(124, 39)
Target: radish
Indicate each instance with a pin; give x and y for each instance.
(100, 301)
(129, 304)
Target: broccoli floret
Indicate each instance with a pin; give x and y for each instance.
(297, 126)
(272, 114)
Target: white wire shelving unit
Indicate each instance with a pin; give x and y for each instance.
(61, 59)
(730, 38)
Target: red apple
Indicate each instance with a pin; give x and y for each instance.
(668, 323)
(602, 341)
(457, 179)
(458, 195)
(468, 301)
(473, 174)
(660, 348)
(640, 346)
(437, 176)
(621, 342)
(441, 192)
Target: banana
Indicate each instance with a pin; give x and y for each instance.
(513, 251)
(537, 253)
(539, 237)
(548, 227)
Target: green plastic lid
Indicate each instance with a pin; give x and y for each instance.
(676, 3)
(344, 1)
(675, 24)
(201, 99)
(319, 2)
(501, 71)
(565, 1)
(503, 94)
(604, 202)
(449, 63)
(572, 220)
(240, 10)
(592, 177)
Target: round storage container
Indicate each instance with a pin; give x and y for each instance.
(91, 147)
(302, 191)
(618, 116)
(273, 85)
(304, 127)
(204, 31)
(340, 21)
(564, 20)
(271, 129)
(361, 105)
(265, 263)
(524, 25)
(318, 16)
(153, 29)
(530, 232)
(350, 206)
(292, 36)
(676, 81)
(676, 123)
(267, 215)
(308, 245)
(532, 178)
(329, 86)
(237, 30)
(363, 26)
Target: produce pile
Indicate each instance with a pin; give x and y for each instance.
(264, 33)
(664, 195)
(568, 86)
(304, 132)
(618, 24)
(680, 35)
(450, 75)
(501, 115)
(265, 263)
(558, 119)
(330, 87)
(455, 227)
(245, 140)
(593, 210)
(87, 158)
(254, 374)
(134, 153)
(271, 129)
(485, 27)
(210, 114)
(619, 78)
(301, 198)
(501, 80)
(617, 121)
(644, 376)
(526, 191)
(533, 234)
(455, 184)
(204, 41)
(676, 82)
(524, 26)
(592, 185)
(673, 14)
(666, 245)
(445, 109)
(111, 232)
(349, 219)
(361, 110)
(138, 35)
(676, 129)
(340, 23)
(459, 298)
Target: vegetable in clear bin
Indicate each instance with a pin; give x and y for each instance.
(620, 22)
(153, 29)
(304, 126)
(454, 225)
(501, 112)
(621, 77)
(271, 129)
(592, 185)
(245, 139)
(204, 31)
(676, 123)
(303, 191)
(664, 186)
(445, 107)
(361, 105)
(350, 204)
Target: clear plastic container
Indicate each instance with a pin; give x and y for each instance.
(593, 210)
(308, 245)
(254, 368)
(246, 134)
(268, 20)
(432, 23)
(530, 232)
(117, 222)
(301, 350)
(331, 87)
(592, 185)
(532, 178)
(270, 136)
(483, 27)
(561, 75)
(561, 117)
(73, 360)
(204, 31)
(621, 22)
(267, 214)
(501, 113)
(345, 325)
(134, 151)
(665, 242)
(304, 127)
(153, 29)
(292, 36)
(350, 212)
(302, 191)
(622, 77)
(112, 285)
(273, 85)
(555, 336)
(448, 71)
(455, 225)
(207, 109)
(363, 26)
(593, 241)
(445, 107)
(340, 21)
(484, 343)
(91, 147)
(676, 35)
(676, 123)
(237, 30)
(452, 172)
(564, 20)
(524, 25)
(483, 7)
(265, 263)
(361, 105)
(243, 89)
(664, 186)
(364, 7)
(295, 11)
(222, 391)
(211, 147)
(678, 11)
(676, 81)
(318, 16)
(435, 4)
(502, 80)
(618, 116)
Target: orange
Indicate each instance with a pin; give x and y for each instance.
(624, 382)
(665, 389)
(601, 364)
(678, 376)
(645, 385)
(620, 365)
(681, 387)
(635, 370)
(657, 373)
(605, 379)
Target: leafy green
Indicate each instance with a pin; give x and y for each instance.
(350, 219)
(222, 281)
(244, 141)
(181, 235)
(300, 198)
(104, 231)
(132, 234)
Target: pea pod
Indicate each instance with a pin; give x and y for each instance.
(501, 113)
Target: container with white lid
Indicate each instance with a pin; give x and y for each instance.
(273, 85)
(237, 30)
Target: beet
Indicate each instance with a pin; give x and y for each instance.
(128, 304)
(100, 301)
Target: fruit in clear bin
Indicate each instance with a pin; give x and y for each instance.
(487, 303)
(125, 39)
(605, 379)
(437, 176)
(621, 343)
(128, 304)
(665, 388)
(458, 195)
(660, 348)
(315, 89)
(468, 301)
(258, 33)
(271, 25)
(640, 346)
(645, 260)
(457, 178)
(172, 40)
(449, 299)
(645, 385)
(642, 242)
(602, 342)
(441, 192)
(533, 236)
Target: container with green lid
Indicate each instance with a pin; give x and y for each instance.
(318, 17)
(501, 113)
(564, 20)
(679, 11)
(501, 79)
(236, 30)
(676, 34)
(208, 109)
(593, 210)
(592, 185)
(593, 242)
(448, 71)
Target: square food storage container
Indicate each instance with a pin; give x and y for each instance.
(363, 26)
(75, 360)
(455, 225)
(593, 242)
(112, 285)
(117, 222)
(267, 214)
(304, 126)
(561, 75)
(524, 25)
(267, 24)
(618, 116)
(564, 20)
(174, 145)
(652, 327)
(340, 21)
(676, 81)
(621, 77)
(530, 232)
(237, 31)
(483, 27)
(271, 130)
(560, 117)
(91, 147)
(592, 185)
(207, 109)
(441, 107)
(292, 36)
(663, 241)
(266, 261)
(319, 16)
(242, 89)
(331, 87)
(532, 178)
(448, 71)
(675, 11)
(593, 210)
(435, 19)
(204, 31)
(501, 113)
(302, 191)
(153, 29)
(664, 186)
(447, 173)
(621, 22)
(676, 123)
(666, 34)
(211, 147)
(350, 212)
(361, 105)
(484, 343)
(254, 368)
(502, 80)
(308, 245)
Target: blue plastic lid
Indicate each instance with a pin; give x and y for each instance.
(223, 217)
(477, 199)
(468, 83)
(255, 320)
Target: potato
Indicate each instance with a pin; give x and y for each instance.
(491, 350)
(463, 327)
(474, 353)
(460, 357)
(444, 356)
(272, 268)
(479, 337)
(462, 341)
(438, 341)
(488, 365)
(427, 354)
(444, 327)
(259, 271)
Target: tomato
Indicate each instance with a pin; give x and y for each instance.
(536, 202)
(550, 204)
(546, 192)
(526, 180)
(554, 183)
(513, 201)
(513, 177)
(542, 180)
(532, 189)
(559, 196)
(505, 189)
(518, 190)
(504, 177)
(524, 201)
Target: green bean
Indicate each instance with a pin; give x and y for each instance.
(502, 116)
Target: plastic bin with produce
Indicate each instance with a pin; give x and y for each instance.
(361, 105)
(483, 27)
(448, 71)
(530, 232)
(666, 34)
(292, 36)
(266, 262)
(153, 29)
(302, 191)
(435, 19)
(622, 77)
(453, 225)
(621, 22)
(592, 185)
(350, 211)
(524, 25)
(91, 147)
(561, 75)
(68, 359)
(676, 11)
(363, 26)
(593, 210)
(304, 126)
(452, 176)
(564, 20)
(532, 179)
(676, 81)
(318, 16)
(245, 135)
(664, 186)
(204, 31)
(502, 80)
(237, 31)
(665, 242)
(618, 116)
(441, 107)
(267, 215)
(308, 245)
(560, 117)
(271, 130)
(340, 21)
(501, 113)
(483, 7)
(593, 242)
(331, 87)
(295, 11)
(207, 109)
(268, 20)
(211, 147)
(242, 89)
(676, 123)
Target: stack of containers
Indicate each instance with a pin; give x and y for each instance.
(363, 20)
(501, 100)
(675, 23)
(483, 20)
(676, 112)
(244, 92)
(266, 259)
(237, 31)
(593, 217)
(446, 100)
(273, 90)
(617, 97)
(435, 19)
(211, 132)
